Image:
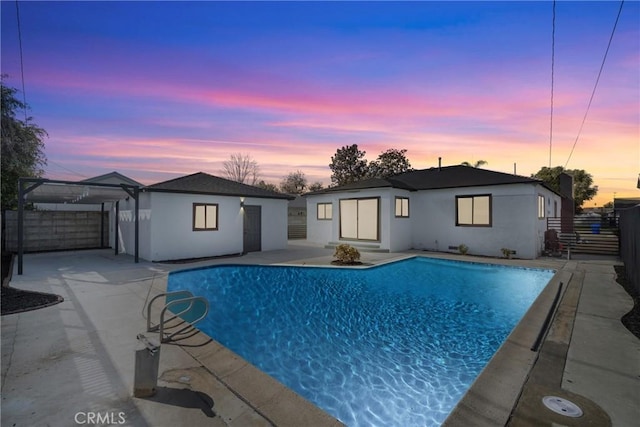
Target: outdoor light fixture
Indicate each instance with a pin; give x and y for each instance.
(241, 202)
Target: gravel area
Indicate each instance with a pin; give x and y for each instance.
(631, 320)
(17, 300)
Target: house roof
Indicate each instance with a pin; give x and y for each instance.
(438, 178)
(626, 202)
(112, 178)
(203, 183)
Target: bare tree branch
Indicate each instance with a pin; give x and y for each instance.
(241, 168)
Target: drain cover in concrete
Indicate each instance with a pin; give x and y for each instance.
(562, 406)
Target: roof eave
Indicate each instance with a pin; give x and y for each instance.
(207, 193)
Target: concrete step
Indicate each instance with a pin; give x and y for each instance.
(362, 247)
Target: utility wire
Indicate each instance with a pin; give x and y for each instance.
(24, 95)
(596, 85)
(67, 169)
(553, 56)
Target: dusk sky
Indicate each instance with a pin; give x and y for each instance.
(156, 90)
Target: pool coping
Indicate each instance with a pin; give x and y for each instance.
(489, 401)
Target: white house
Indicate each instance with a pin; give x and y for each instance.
(436, 209)
(202, 215)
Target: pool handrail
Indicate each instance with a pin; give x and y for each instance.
(191, 300)
(177, 297)
(187, 294)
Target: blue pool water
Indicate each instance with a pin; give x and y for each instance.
(397, 344)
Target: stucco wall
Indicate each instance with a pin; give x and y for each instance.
(172, 235)
(274, 222)
(432, 220)
(394, 233)
(541, 223)
(321, 231)
(126, 226)
(514, 221)
(166, 226)
(401, 228)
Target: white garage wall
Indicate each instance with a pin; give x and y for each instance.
(172, 236)
(166, 226)
(274, 222)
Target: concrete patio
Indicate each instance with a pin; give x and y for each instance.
(73, 363)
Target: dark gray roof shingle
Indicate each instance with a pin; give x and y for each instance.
(437, 178)
(203, 183)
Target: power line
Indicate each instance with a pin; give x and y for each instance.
(67, 169)
(24, 94)
(553, 56)
(596, 85)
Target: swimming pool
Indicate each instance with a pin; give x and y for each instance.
(397, 344)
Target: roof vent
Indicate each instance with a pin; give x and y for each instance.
(439, 163)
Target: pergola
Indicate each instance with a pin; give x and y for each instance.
(39, 190)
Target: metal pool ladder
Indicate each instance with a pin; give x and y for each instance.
(186, 305)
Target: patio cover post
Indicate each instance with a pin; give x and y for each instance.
(102, 225)
(136, 193)
(22, 192)
(116, 242)
(20, 224)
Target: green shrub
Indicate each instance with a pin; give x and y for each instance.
(506, 252)
(463, 249)
(346, 254)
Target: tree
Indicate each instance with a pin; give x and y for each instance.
(241, 168)
(294, 183)
(267, 186)
(477, 164)
(22, 147)
(389, 163)
(348, 165)
(583, 188)
(316, 186)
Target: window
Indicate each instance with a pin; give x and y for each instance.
(205, 216)
(473, 210)
(402, 207)
(540, 206)
(359, 219)
(325, 211)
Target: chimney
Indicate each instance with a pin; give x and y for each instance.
(439, 163)
(514, 169)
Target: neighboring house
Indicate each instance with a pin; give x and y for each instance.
(436, 209)
(201, 215)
